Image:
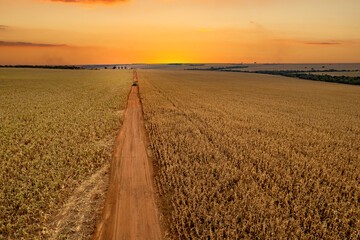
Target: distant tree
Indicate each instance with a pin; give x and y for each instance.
(105, 67)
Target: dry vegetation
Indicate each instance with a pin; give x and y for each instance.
(56, 129)
(241, 155)
(349, 74)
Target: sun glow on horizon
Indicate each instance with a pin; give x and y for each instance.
(157, 31)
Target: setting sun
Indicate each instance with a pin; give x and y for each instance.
(95, 31)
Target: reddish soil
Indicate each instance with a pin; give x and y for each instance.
(130, 211)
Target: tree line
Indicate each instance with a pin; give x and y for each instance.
(42, 66)
(314, 77)
(296, 74)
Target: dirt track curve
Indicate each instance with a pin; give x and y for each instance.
(130, 211)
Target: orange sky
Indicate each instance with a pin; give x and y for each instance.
(162, 31)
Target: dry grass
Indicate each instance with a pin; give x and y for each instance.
(52, 129)
(78, 217)
(254, 156)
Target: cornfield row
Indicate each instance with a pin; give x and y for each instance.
(253, 156)
(56, 128)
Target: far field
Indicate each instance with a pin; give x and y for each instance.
(57, 128)
(303, 67)
(244, 155)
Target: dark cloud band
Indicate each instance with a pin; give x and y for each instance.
(323, 43)
(28, 44)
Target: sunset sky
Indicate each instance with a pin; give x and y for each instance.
(165, 31)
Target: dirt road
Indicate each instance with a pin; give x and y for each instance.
(130, 211)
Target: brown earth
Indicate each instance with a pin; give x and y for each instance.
(130, 211)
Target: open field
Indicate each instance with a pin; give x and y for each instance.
(274, 67)
(303, 67)
(243, 155)
(57, 127)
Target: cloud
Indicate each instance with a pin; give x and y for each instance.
(89, 1)
(323, 43)
(3, 27)
(28, 44)
(327, 43)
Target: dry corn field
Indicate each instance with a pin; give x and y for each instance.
(242, 155)
(56, 128)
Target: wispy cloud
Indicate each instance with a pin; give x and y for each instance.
(29, 44)
(89, 1)
(325, 43)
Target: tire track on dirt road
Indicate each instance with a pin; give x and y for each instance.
(130, 211)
